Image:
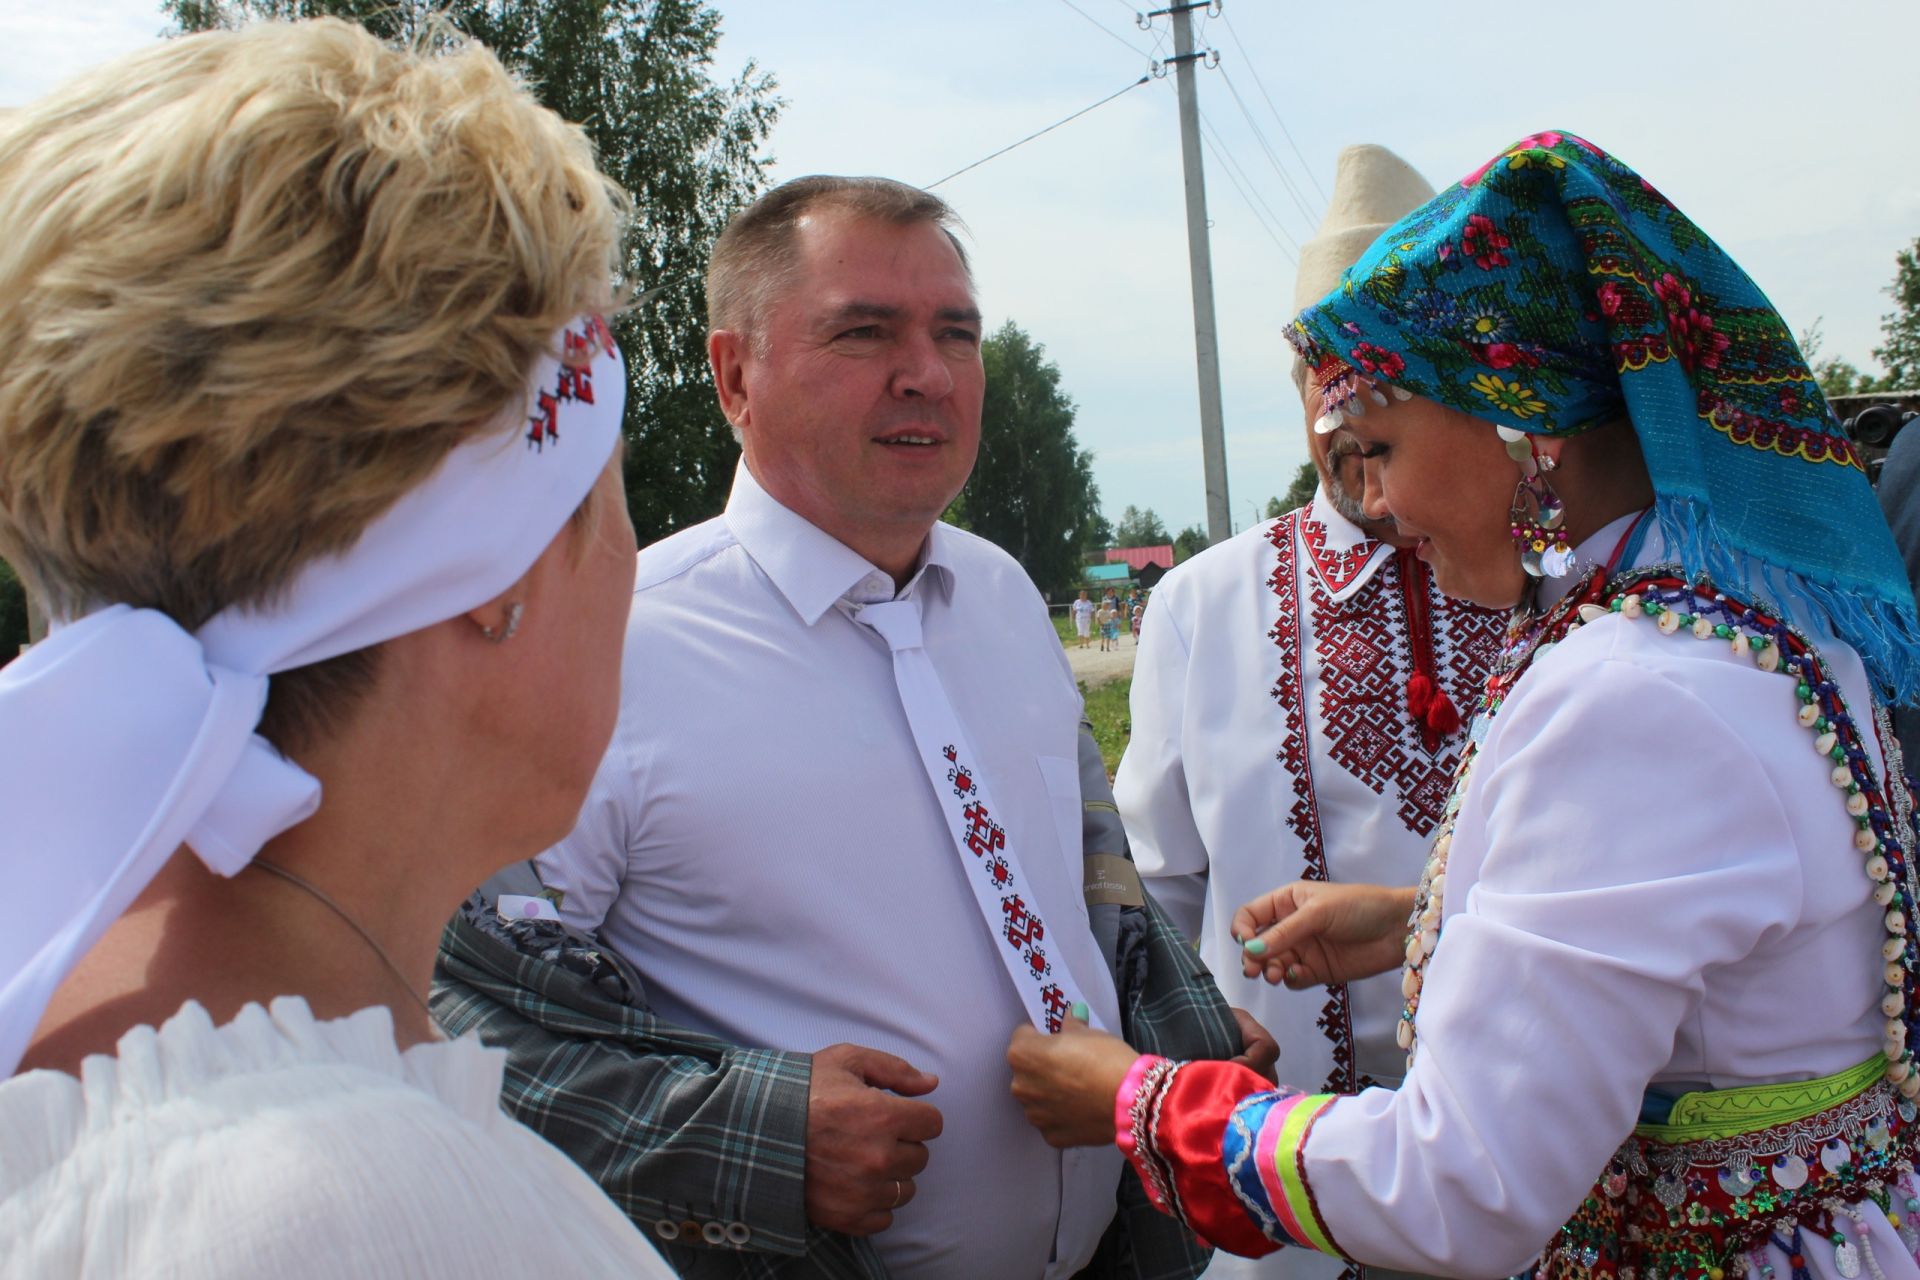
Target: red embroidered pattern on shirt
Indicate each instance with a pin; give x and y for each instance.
(1364, 652)
(1021, 926)
(1304, 818)
(1337, 569)
(1362, 648)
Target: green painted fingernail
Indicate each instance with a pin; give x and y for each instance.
(1255, 947)
(1080, 1010)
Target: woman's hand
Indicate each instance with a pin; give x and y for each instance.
(1066, 1083)
(1310, 932)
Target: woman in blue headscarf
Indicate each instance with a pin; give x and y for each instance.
(1659, 972)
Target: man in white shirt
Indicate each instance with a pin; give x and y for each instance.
(1296, 716)
(765, 841)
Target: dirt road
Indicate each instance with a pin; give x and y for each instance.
(1094, 668)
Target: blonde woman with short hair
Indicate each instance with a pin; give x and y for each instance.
(309, 430)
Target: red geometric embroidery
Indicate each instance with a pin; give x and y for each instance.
(1304, 817)
(1337, 569)
(1055, 1002)
(1362, 650)
(1365, 657)
(576, 377)
(1023, 927)
(1024, 933)
(544, 425)
(984, 835)
(575, 381)
(959, 775)
(1020, 925)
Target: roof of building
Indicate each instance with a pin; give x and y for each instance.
(1141, 557)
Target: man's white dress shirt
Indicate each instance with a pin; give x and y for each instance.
(763, 843)
(1271, 742)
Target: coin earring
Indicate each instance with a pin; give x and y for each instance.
(1538, 516)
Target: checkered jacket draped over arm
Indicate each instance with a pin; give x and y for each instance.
(677, 1127)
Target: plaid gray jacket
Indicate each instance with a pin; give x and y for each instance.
(703, 1143)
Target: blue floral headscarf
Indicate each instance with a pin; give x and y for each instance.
(1553, 290)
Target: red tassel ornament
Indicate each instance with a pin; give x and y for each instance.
(1443, 717)
(1420, 693)
(1428, 705)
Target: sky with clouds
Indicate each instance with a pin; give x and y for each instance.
(1783, 129)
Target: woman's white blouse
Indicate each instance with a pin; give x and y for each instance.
(281, 1146)
(1652, 878)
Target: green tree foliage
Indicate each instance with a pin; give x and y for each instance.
(637, 75)
(13, 613)
(1098, 535)
(1900, 353)
(1139, 528)
(1838, 377)
(1189, 542)
(1299, 493)
(1032, 491)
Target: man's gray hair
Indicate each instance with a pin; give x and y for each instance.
(754, 259)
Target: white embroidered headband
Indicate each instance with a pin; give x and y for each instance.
(123, 737)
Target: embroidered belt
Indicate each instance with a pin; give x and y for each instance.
(1683, 1200)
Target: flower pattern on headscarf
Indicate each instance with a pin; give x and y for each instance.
(1554, 289)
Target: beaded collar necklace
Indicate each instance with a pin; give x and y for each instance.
(1883, 818)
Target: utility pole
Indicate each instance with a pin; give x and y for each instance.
(1206, 342)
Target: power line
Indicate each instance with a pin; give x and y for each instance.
(1105, 30)
(1252, 188)
(1261, 222)
(1273, 159)
(1248, 194)
(1254, 69)
(1250, 191)
(1049, 129)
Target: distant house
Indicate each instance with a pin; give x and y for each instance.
(1138, 558)
(1098, 577)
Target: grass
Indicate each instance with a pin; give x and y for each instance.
(1112, 719)
(1063, 623)
(1106, 704)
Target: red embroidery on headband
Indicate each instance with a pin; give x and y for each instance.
(574, 383)
(544, 425)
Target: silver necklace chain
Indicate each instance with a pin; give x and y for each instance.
(327, 902)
